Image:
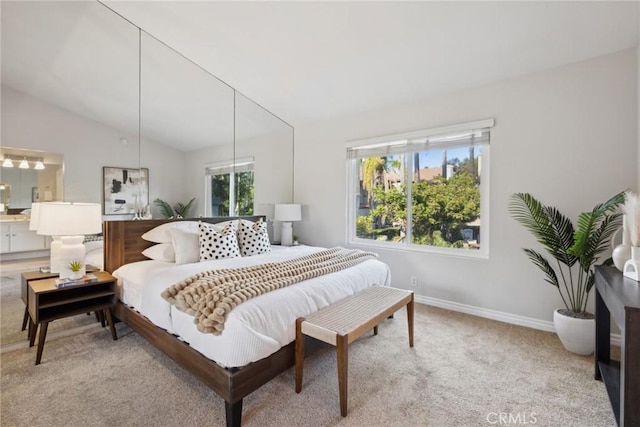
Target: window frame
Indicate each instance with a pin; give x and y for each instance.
(353, 196)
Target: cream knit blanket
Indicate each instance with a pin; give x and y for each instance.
(210, 295)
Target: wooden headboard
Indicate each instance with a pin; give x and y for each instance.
(123, 243)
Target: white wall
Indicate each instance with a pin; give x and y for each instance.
(567, 135)
(87, 146)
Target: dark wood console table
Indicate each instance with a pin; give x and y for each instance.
(618, 297)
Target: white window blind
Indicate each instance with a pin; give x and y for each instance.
(467, 134)
(221, 168)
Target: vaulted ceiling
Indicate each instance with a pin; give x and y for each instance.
(303, 61)
(310, 61)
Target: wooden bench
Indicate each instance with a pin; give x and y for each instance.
(345, 321)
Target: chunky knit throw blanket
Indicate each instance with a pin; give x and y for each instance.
(210, 295)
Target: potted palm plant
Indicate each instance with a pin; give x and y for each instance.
(573, 252)
(179, 210)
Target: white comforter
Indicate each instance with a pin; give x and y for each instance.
(256, 328)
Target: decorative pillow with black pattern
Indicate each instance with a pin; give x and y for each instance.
(253, 237)
(218, 242)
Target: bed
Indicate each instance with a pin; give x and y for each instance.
(248, 353)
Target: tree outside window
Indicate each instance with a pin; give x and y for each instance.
(424, 197)
(231, 191)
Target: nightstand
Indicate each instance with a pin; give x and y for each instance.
(48, 303)
(27, 277)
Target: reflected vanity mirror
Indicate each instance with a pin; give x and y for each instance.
(30, 176)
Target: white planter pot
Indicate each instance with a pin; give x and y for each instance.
(577, 335)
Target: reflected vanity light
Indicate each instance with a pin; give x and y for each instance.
(287, 213)
(7, 163)
(24, 163)
(71, 222)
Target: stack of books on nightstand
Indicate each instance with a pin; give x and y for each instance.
(86, 279)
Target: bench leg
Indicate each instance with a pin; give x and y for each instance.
(342, 350)
(410, 320)
(299, 354)
(375, 330)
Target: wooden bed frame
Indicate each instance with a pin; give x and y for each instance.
(123, 245)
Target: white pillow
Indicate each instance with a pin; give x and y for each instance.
(217, 243)
(161, 252)
(162, 233)
(185, 245)
(253, 238)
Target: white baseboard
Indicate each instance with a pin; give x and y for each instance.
(500, 316)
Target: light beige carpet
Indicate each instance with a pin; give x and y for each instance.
(463, 371)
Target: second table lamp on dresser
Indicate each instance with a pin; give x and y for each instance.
(287, 213)
(71, 222)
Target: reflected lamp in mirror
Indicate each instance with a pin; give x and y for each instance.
(287, 213)
(71, 222)
(34, 216)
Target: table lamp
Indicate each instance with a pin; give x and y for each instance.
(54, 247)
(34, 217)
(71, 222)
(287, 213)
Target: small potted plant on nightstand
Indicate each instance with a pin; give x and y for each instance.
(75, 267)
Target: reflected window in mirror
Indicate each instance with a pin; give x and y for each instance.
(230, 188)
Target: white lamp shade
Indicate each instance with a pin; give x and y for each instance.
(35, 215)
(287, 212)
(69, 219)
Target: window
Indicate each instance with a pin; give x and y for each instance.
(229, 188)
(425, 190)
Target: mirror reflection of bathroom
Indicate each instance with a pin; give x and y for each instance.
(29, 176)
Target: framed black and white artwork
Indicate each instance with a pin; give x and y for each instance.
(125, 190)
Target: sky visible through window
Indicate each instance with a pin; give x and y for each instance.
(433, 159)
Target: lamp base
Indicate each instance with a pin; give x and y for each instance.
(286, 234)
(54, 258)
(72, 250)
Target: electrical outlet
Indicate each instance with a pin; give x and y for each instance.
(414, 281)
